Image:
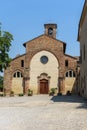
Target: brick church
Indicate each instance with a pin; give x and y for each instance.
(44, 66)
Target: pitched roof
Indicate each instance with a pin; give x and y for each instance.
(46, 36)
(18, 56)
(74, 57)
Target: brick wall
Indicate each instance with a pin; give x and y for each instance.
(33, 47)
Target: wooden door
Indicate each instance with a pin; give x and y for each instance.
(44, 86)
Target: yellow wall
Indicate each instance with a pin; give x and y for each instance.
(37, 68)
(69, 84)
(17, 85)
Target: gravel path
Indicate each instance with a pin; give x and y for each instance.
(42, 112)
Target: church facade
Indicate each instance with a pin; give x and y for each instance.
(44, 66)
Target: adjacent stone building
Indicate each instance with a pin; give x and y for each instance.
(82, 38)
(44, 66)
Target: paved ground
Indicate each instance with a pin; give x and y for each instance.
(42, 112)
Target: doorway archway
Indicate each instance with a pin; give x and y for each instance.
(44, 87)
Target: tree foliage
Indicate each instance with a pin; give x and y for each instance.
(1, 83)
(5, 43)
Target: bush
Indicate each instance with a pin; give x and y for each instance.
(21, 94)
(52, 91)
(12, 93)
(1, 95)
(30, 92)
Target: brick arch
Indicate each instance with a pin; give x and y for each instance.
(39, 50)
(68, 71)
(48, 50)
(16, 70)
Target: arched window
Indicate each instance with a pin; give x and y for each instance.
(70, 73)
(50, 31)
(17, 74)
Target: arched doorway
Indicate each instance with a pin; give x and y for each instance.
(44, 88)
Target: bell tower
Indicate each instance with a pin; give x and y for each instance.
(50, 30)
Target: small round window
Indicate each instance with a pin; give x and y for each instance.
(44, 59)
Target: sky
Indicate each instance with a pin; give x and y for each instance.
(25, 20)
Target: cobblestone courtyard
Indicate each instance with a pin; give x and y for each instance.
(42, 112)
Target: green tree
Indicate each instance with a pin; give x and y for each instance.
(5, 42)
(1, 83)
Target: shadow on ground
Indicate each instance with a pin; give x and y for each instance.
(71, 99)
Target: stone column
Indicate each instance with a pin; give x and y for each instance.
(7, 81)
(61, 85)
(26, 81)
